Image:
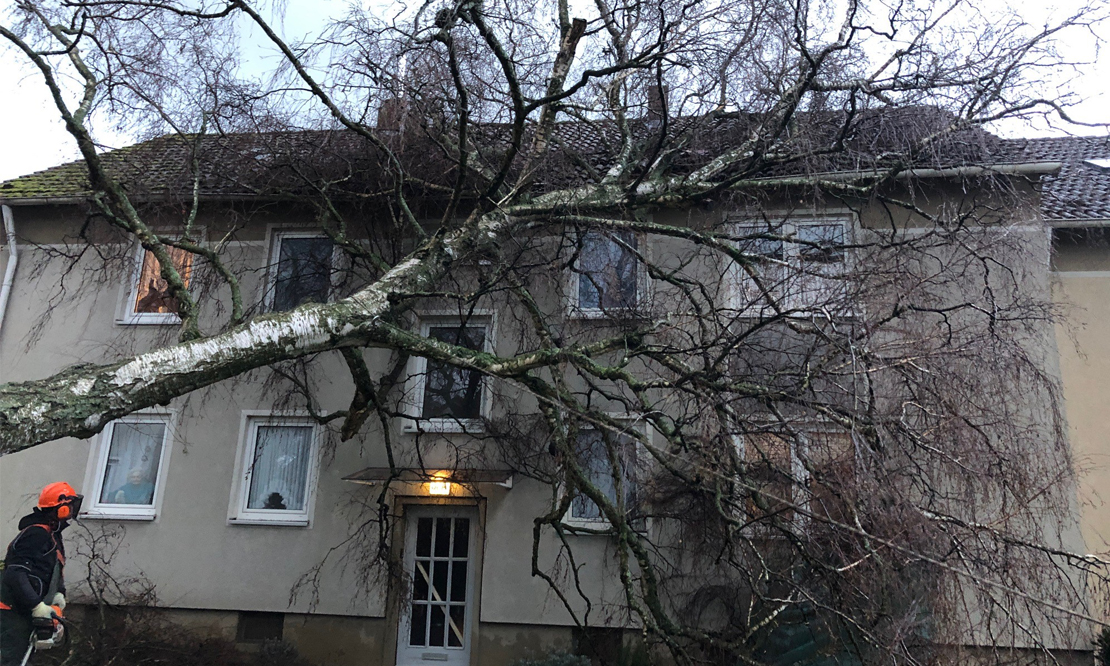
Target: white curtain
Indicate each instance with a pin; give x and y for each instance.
(132, 468)
(279, 473)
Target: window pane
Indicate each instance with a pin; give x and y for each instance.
(593, 457)
(152, 294)
(607, 272)
(420, 579)
(451, 392)
(829, 239)
(279, 472)
(419, 625)
(462, 537)
(303, 272)
(458, 622)
(439, 580)
(132, 468)
(458, 581)
(749, 242)
(435, 636)
(424, 537)
(443, 536)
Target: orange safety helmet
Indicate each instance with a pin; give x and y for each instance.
(62, 496)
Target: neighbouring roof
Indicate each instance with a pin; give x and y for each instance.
(1081, 189)
(292, 163)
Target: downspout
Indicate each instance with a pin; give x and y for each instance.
(13, 260)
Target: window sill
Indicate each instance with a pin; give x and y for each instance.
(109, 515)
(271, 522)
(445, 426)
(608, 313)
(149, 320)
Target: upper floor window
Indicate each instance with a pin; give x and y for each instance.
(799, 266)
(446, 397)
(301, 266)
(149, 300)
(593, 455)
(127, 464)
(277, 476)
(606, 273)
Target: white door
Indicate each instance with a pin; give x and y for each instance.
(439, 610)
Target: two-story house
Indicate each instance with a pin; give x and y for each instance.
(426, 535)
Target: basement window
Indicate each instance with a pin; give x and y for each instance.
(256, 626)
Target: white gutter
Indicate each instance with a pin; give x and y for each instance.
(13, 260)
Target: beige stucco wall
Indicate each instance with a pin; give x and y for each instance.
(1081, 286)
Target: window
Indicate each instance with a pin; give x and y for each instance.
(813, 470)
(300, 269)
(149, 300)
(257, 626)
(606, 273)
(799, 264)
(127, 467)
(278, 470)
(592, 452)
(448, 398)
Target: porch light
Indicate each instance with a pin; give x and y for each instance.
(441, 485)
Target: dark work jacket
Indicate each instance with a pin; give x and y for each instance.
(30, 563)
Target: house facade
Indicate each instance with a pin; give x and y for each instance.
(242, 511)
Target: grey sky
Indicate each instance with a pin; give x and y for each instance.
(32, 136)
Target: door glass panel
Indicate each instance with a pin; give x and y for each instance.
(424, 537)
(419, 624)
(455, 630)
(443, 536)
(435, 634)
(420, 581)
(458, 581)
(440, 580)
(462, 537)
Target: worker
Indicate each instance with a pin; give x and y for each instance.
(32, 588)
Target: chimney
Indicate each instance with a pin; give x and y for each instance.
(656, 105)
(391, 114)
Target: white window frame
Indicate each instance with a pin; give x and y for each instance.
(643, 284)
(238, 513)
(640, 454)
(413, 402)
(740, 282)
(97, 465)
(274, 236)
(125, 312)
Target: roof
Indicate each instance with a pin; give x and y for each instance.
(1081, 189)
(294, 163)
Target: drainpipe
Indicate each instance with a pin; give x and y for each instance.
(13, 260)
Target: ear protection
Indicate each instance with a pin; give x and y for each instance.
(64, 512)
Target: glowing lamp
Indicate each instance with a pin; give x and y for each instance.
(441, 485)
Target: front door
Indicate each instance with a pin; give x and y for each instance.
(439, 560)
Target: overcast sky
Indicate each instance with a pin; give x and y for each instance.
(32, 137)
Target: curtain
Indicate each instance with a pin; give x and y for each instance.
(279, 471)
(132, 468)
